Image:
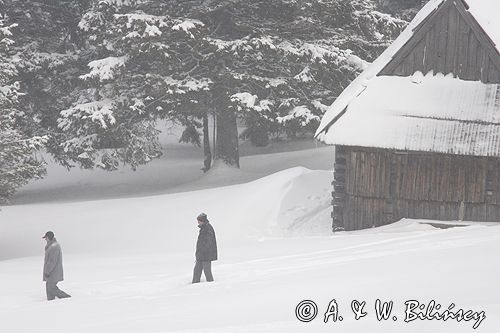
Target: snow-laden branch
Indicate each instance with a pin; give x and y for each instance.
(300, 113)
(104, 69)
(249, 101)
(100, 112)
(187, 85)
(187, 26)
(243, 45)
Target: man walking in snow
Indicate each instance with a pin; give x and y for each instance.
(206, 249)
(52, 267)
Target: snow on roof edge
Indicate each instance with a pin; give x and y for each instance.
(358, 85)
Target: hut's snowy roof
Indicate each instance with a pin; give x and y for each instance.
(432, 113)
(484, 11)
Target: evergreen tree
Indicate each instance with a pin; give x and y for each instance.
(18, 163)
(133, 80)
(48, 60)
(273, 63)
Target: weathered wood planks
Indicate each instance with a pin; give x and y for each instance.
(374, 187)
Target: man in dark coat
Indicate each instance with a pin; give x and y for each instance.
(206, 249)
(52, 267)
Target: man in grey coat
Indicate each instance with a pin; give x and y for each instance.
(206, 249)
(52, 267)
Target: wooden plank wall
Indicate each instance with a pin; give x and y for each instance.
(439, 177)
(339, 190)
(373, 187)
(449, 42)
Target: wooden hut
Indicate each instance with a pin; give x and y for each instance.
(417, 134)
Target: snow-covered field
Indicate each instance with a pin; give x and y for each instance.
(128, 259)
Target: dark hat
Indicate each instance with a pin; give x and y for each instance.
(202, 217)
(49, 235)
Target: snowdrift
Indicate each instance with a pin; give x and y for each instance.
(270, 206)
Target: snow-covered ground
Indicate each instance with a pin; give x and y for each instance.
(128, 259)
(178, 170)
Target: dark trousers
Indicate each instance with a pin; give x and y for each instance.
(205, 266)
(53, 291)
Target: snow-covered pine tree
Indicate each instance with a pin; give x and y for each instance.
(273, 63)
(134, 79)
(49, 61)
(18, 163)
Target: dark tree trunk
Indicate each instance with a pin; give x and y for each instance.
(226, 148)
(206, 144)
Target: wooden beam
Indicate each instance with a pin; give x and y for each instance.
(451, 46)
(463, 48)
